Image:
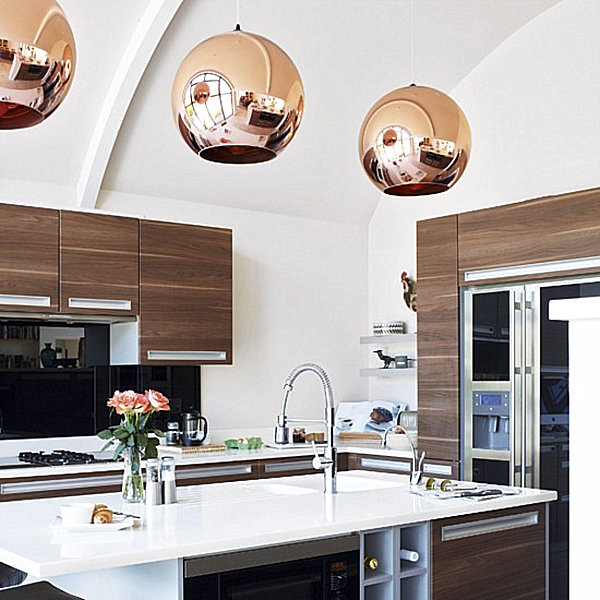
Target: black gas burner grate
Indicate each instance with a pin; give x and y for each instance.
(57, 458)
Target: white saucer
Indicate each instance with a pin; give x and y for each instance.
(119, 522)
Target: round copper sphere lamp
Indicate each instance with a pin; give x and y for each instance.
(415, 141)
(37, 61)
(237, 98)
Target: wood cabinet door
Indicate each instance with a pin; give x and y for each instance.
(28, 258)
(438, 339)
(496, 555)
(99, 263)
(185, 294)
(556, 228)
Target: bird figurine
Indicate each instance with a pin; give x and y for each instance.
(387, 360)
(410, 291)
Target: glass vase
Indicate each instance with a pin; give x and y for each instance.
(133, 484)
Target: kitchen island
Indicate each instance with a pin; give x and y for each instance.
(148, 561)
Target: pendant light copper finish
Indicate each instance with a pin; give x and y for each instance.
(415, 141)
(37, 61)
(237, 98)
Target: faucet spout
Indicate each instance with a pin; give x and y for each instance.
(282, 431)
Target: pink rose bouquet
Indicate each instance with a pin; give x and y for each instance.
(132, 432)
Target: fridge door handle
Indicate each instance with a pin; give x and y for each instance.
(517, 450)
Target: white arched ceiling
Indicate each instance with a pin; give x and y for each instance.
(349, 53)
(147, 33)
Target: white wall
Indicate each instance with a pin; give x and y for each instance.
(533, 109)
(300, 294)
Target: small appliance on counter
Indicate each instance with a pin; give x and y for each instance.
(193, 432)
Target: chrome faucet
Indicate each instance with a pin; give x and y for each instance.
(416, 463)
(328, 462)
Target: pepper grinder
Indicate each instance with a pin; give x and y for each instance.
(153, 482)
(169, 486)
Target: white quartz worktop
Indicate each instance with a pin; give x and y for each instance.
(200, 459)
(225, 517)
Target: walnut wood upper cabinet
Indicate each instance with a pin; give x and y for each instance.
(438, 340)
(554, 228)
(185, 294)
(99, 263)
(496, 555)
(28, 258)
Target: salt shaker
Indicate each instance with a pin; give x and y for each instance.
(169, 487)
(153, 482)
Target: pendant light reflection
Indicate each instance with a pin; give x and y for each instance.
(237, 98)
(415, 141)
(37, 61)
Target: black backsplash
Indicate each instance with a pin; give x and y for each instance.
(71, 402)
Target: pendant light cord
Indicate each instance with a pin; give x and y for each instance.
(412, 41)
(237, 15)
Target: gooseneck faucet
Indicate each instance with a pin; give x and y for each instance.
(282, 432)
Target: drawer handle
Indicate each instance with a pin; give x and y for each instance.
(486, 526)
(18, 300)
(186, 355)
(24, 487)
(374, 463)
(295, 465)
(99, 303)
(213, 472)
(437, 469)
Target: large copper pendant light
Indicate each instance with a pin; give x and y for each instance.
(37, 61)
(414, 141)
(237, 98)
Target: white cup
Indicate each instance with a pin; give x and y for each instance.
(79, 513)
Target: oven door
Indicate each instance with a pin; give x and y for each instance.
(299, 580)
(301, 571)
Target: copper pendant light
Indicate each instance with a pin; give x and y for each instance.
(37, 61)
(415, 141)
(237, 98)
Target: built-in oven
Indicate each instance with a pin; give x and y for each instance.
(325, 569)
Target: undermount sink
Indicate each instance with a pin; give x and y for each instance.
(345, 483)
(282, 489)
(363, 484)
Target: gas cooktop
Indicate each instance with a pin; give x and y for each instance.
(56, 458)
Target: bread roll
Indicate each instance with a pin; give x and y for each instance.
(102, 516)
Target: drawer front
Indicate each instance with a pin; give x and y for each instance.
(490, 556)
(216, 473)
(285, 467)
(441, 469)
(66, 485)
(384, 465)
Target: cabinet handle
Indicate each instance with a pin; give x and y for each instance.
(18, 300)
(25, 487)
(374, 463)
(100, 303)
(186, 355)
(213, 472)
(486, 526)
(437, 469)
(290, 465)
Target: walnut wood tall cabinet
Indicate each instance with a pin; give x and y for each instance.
(554, 228)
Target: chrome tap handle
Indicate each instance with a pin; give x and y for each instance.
(320, 462)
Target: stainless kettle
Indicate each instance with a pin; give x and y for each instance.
(193, 432)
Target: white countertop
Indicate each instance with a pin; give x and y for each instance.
(225, 517)
(199, 459)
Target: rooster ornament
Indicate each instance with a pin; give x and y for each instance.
(410, 291)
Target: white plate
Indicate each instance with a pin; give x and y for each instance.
(119, 522)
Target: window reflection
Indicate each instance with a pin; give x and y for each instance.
(209, 99)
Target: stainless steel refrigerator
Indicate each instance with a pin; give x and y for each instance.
(515, 397)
